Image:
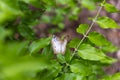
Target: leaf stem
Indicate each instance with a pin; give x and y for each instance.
(91, 25)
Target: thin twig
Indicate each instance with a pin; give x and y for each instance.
(93, 22)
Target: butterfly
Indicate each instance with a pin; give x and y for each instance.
(59, 45)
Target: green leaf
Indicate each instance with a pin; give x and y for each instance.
(106, 22)
(89, 4)
(50, 73)
(110, 8)
(45, 19)
(97, 39)
(78, 66)
(8, 10)
(61, 58)
(109, 48)
(74, 42)
(97, 0)
(75, 10)
(24, 65)
(3, 33)
(67, 76)
(115, 76)
(48, 2)
(68, 54)
(23, 48)
(48, 52)
(61, 25)
(71, 76)
(108, 60)
(82, 28)
(26, 32)
(38, 44)
(88, 52)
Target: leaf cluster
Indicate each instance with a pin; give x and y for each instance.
(32, 59)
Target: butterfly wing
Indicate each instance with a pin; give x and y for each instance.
(63, 46)
(56, 44)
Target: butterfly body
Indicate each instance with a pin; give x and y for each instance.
(58, 45)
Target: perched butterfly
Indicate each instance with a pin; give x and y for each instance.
(59, 45)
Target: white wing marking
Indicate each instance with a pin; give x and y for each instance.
(58, 45)
(63, 46)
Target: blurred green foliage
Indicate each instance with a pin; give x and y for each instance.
(56, 11)
(28, 58)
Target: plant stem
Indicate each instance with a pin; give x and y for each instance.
(93, 22)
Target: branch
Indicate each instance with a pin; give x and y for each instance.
(91, 25)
